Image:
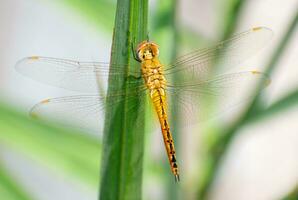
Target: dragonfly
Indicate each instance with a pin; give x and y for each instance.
(193, 71)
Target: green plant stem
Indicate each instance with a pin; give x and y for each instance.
(123, 144)
(219, 148)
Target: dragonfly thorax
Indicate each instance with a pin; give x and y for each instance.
(153, 76)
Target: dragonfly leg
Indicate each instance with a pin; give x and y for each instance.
(134, 50)
(133, 77)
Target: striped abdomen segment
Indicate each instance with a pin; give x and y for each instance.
(160, 104)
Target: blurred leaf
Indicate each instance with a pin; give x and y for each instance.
(231, 16)
(271, 66)
(273, 62)
(160, 30)
(214, 153)
(9, 189)
(62, 150)
(219, 148)
(99, 12)
(278, 107)
(256, 106)
(292, 195)
(162, 19)
(123, 145)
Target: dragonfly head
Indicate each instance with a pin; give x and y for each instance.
(147, 50)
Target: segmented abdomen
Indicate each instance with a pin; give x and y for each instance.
(160, 104)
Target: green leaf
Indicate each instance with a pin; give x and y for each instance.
(9, 189)
(61, 150)
(123, 144)
(278, 107)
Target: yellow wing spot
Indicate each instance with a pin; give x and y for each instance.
(255, 72)
(268, 80)
(256, 28)
(33, 58)
(45, 101)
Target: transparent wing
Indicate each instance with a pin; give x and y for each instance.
(69, 74)
(226, 53)
(197, 102)
(205, 99)
(195, 93)
(83, 111)
(74, 111)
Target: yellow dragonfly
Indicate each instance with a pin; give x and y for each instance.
(195, 84)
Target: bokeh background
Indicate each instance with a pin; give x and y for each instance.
(42, 161)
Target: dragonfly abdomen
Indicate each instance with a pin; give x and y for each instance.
(160, 104)
(153, 75)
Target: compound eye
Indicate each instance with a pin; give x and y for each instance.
(155, 50)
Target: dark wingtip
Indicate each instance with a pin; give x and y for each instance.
(177, 178)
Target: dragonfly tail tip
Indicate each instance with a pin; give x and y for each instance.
(177, 178)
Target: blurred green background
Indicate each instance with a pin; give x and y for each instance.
(255, 157)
